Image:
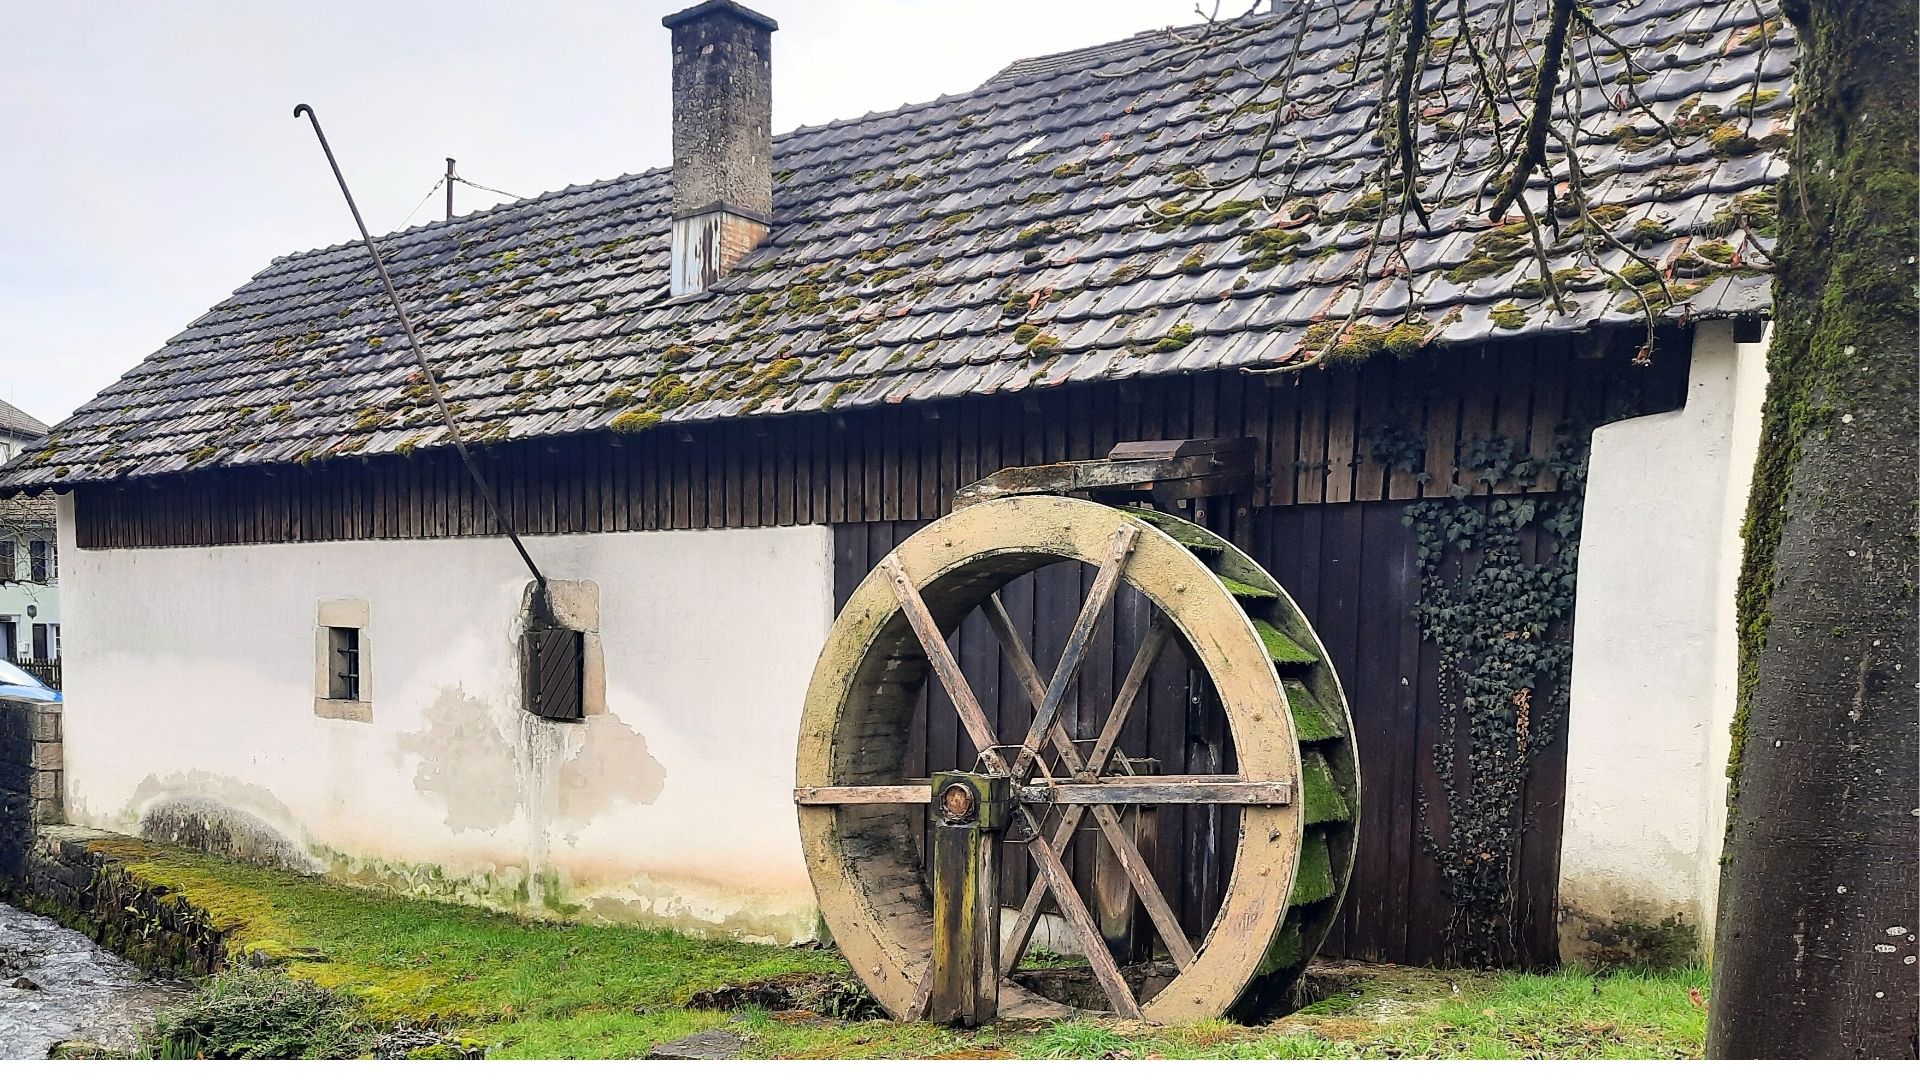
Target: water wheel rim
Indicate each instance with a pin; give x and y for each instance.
(962, 559)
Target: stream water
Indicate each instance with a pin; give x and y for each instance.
(58, 986)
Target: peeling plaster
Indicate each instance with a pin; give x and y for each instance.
(465, 762)
(610, 767)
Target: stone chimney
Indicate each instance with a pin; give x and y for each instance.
(722, 139)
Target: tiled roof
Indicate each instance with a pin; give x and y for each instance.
(14, 420)
(25, 512)
(986, 242)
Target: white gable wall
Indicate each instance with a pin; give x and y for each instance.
(1654, 659)
(191, 714)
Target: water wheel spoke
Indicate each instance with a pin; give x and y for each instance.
(1016, 652)
(1219, 789)
(1105, 971)
(1123, 698)
(864, 794)
(1023, 924)
(1131, 861)
(941, 658)
(1165, 922)
(1029, 675)
(1074, 655)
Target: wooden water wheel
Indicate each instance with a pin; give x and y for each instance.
(865, 821)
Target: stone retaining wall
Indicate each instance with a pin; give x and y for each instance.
(67, 879)
(30, 779)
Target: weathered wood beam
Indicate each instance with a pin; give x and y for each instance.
(1156, 790)
(1191, 467)
(964, 856)
(1047, 709)
(934, 644)
(863, 795)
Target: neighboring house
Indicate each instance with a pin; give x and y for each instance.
(29, 559)
(714, 396)
(17, 429)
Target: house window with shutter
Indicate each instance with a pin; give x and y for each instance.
(563, 670)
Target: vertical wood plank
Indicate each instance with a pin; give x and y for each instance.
(1480, 372)
(1342, 390)
(1514, 402)
(1442, 431)
(1374, 404)
(1412, 378)
(1544, 419)
(872, 454)
(1283, 431)
(1310, 469)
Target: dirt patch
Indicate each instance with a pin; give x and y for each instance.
(840, 997)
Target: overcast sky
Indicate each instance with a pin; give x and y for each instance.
(150, 163)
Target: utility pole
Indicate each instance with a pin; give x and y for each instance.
(449, 182)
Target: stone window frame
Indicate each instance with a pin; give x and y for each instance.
(344, 614)
(575, 605)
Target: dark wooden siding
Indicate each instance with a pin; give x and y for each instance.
(901, 463)
(1352, 569)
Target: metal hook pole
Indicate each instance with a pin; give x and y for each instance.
(433, 384)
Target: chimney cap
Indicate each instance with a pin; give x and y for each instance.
(719, 7)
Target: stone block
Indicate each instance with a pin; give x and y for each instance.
(45, 784)
(48, 755)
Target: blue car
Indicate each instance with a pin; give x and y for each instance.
(17, 685)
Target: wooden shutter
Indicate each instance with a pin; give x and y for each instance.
(555, 674)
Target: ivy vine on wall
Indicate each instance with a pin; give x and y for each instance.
(1496, 593)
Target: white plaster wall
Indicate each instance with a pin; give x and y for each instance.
(1655, 651)
(674, 808)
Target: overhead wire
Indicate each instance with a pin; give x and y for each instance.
(437, 185)
(482, 187)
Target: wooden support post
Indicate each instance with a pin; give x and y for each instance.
(969, 810)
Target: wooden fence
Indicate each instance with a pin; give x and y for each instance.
(47, 671)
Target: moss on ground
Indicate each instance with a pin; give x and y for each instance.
(528, 988)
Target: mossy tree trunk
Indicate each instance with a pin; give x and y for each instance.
(1818, 898)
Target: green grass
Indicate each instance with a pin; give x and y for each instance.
(527, 988)
(504, 980)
